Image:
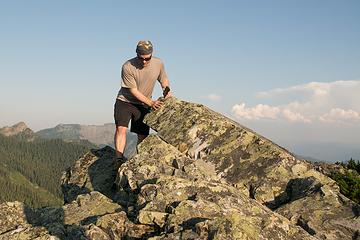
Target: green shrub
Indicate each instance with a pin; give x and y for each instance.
(349, 182)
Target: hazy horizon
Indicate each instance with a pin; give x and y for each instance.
(318, 151)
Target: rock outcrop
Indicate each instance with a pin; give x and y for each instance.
(19, 128)
(253, 164)
(202, 176)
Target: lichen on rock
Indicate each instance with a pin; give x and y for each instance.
(202, 176)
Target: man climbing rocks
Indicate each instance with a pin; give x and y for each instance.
(134, 101)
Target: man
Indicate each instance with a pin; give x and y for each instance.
(134, 101)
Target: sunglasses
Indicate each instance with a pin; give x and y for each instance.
(144, 59)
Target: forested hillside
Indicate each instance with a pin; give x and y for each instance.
(15, 186)
(28, 169)
(349, 180)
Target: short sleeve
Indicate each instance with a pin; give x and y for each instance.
(128, 80)
(162, 75)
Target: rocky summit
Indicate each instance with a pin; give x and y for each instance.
(202, 176)
(19, 128)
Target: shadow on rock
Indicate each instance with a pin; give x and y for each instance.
(71, 191)
(295, 189)
(53, 220)
(102, 172)
(190, 223)
(96, 171)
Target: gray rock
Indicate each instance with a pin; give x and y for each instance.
(202, 176)
(243, 158)
(193, 204)
(14, 224)
(95, 171)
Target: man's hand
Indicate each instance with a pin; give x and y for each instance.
(156, 104)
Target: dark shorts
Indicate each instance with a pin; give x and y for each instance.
(124, 111)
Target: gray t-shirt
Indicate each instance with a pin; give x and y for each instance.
(143, 78)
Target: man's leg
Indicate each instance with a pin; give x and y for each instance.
(122, 114)
(120, 140)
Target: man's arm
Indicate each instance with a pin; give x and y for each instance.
(153, 104)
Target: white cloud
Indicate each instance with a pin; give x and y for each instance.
(331, 102)
(294, 117)
(262, 111)
(255, 113)
(314, 88)
(212, 97)
(338, 114)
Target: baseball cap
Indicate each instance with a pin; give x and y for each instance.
(144, 47)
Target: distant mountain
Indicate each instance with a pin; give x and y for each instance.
(309, 159)
(15, 129)
(100, 135)
(20, 130)
(326, 152)
(30, 166)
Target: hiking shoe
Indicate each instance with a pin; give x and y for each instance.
(119, 161)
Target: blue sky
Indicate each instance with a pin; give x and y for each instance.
(287, 69)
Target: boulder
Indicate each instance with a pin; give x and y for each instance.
(95, 171)
(14, 224)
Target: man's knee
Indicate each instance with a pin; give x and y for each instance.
(120, 130)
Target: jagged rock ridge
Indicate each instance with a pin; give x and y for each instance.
(202, 177)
